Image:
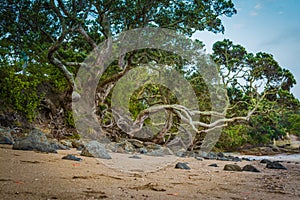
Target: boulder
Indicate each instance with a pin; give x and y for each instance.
(275, 165)
(250, 168)
(232, 167)
(213, 165)
(36, 140)
(5, 137)
(95, 149)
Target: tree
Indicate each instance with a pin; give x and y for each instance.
(58, 35)
(258, 88)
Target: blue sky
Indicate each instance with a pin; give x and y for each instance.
(271, 26)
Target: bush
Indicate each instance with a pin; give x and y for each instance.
(20, 92)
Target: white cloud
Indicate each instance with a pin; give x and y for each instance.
(258, 6)
(253, 13)
(280, 13)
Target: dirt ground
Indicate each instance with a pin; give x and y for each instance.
(32, 175)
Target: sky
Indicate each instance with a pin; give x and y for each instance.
(271, 26)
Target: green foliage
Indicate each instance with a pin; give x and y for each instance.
(75, 136)
(294, 124)
(234, 137)
(69, 120)
(20, 92)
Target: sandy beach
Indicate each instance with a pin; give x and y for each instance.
(32, 175)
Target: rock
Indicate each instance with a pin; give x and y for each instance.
(135, 157)
(78, 144)
(209, 156)
(71, 157)
(181, 153)
(162, 151)
(143, 151)
(199, 158)
(66, 143)
(181, 165)
(250, 168)
(275, 165)
(232, 167)
(265, 161)
(127, 146)
(35, 141)
(111, 147)
(234, 159)
(223, 158)
(167, 150)
(246, 159)
(5, 137)
(151, 145)
(136, 143)
(213, 165)
(121, 147)
(220, 154)
(58, 146)
(95, 149)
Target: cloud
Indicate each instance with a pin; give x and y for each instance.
(253, 13)
(258, 6)
(287, 36)
(255, 10)
(280, 12)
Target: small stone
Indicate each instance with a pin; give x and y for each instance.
(275, 165)
(143, 151)
(250, 168)
(151, 145)
(246, 159)
(237, 159)
(223, 158)
(181, 165)
(135, 157)
(78, 144)
(199, 158)
(181, 153)
(210, 156)
(213, 165)
(232, 167)
(136, 143)
(220, 154)
(71, 157)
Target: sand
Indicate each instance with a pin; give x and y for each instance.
(32, 175)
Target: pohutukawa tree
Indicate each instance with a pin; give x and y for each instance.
(62, 33)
